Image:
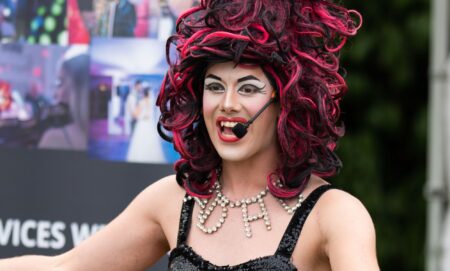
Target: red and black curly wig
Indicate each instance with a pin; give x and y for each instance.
(297, 44)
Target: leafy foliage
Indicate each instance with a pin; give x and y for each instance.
(385, 112)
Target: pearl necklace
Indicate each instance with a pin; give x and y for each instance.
(223, 202)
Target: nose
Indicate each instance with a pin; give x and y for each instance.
(230, 102)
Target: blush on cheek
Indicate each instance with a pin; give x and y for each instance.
(209, 103)
(253, 108)
(207, 108)
(208, 115)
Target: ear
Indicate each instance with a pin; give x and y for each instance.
(276, 103)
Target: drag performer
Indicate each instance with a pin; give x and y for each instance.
(251, 103)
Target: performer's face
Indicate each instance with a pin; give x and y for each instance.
(235, 94)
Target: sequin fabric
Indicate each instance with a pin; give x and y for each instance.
(184, 258)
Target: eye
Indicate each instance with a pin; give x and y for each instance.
(214, 87)
(249, 89)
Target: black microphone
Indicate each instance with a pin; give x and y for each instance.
(240, 129)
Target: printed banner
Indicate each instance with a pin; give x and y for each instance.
(126, 75)
(43, 96)
(33, 21)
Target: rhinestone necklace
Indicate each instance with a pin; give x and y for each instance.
(221, 201)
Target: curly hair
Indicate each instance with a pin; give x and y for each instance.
(297, 45)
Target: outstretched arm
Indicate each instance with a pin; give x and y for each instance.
(132, 241)
(37, 263)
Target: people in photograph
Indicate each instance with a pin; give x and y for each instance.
(251, 102)
(117, 18)
(124, 19)
(5, 97)
(79, 22)
(122, 92)
(145, 144)
(37, 101)
(131, 103)
(169, 10)
(12, 104)
(69, 118)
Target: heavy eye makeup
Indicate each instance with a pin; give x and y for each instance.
(249, 88)
(213, 85)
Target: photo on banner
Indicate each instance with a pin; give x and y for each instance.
(44, 96)
(126, 75)
(33, 21)
(153, 19)
(79, 19)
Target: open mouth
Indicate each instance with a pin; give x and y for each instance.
(225, 128)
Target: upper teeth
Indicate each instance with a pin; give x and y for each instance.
(229, 124)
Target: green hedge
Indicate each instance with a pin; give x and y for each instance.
(385, 113)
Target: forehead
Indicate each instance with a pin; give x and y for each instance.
(231, 71)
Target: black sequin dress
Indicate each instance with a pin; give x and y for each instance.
(184, 258)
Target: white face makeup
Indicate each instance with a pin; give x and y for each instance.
(234, 94)
(247, 85)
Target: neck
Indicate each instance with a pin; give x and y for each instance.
(241, 179)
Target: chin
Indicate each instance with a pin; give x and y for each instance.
(231, 155)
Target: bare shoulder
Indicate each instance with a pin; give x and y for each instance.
(159, 203)
(339, 210)
(337, 206)
(163, 193)
(347, 231)
(165, 185)
(163, 201)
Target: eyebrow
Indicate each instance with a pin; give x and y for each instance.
(249, 77)
(213, 77)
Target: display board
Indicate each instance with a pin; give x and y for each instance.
(78, 139)
(52, 200)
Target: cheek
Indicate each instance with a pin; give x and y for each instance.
(253, 106)
(207, 109)
(208, 113)
(209, 105)
(267, 123)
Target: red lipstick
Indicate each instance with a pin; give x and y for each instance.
(229, 138)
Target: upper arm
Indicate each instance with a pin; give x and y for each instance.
(349, 233)
(132, 241)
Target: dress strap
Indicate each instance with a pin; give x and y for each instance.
(292, 233)
(185, 219)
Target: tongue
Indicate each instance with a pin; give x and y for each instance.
(227, 131)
